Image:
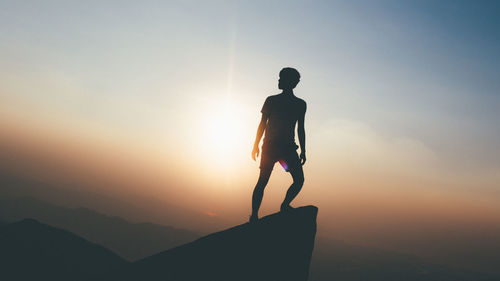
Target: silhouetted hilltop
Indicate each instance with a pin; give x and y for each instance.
(277, 247)
(34, 251)
(134, 208)
(132, 241)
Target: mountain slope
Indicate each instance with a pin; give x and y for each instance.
(132, 241)
(134, 207)
(34, 251)
(277, 247)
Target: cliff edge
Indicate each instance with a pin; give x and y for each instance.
(277, 247)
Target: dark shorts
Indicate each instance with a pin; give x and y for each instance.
(286, 155)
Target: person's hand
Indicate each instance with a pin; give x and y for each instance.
(302, 158)
(255, 152)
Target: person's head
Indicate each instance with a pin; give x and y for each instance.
(289, 78)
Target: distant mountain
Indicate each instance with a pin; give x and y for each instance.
(132, 241)
(276, 248)
(31, 250)
(336, 260)
(134, 207)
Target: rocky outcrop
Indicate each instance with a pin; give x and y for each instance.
(277, 247)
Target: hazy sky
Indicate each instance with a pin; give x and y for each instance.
(403, 97)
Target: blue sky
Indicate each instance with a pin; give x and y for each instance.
(422, 71)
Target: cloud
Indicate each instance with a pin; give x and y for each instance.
(353, 145)
(351, 154)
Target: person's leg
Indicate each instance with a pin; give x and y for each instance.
(258, 192)
(298, 180)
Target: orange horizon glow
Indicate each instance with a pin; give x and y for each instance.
(119, 170)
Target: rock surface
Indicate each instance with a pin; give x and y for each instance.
(277, 247)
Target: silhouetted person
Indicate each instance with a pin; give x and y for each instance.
(280, 113)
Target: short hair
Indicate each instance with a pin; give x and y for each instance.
(290, 74)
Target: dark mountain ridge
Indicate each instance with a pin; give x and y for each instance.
(136, 208)
(31, 250)
(275, 248)
(132, 241)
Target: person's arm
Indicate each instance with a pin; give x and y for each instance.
(302, 137)
(260, 133)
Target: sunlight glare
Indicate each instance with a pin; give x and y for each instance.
(226, 132)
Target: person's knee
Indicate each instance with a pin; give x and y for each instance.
(299, 181)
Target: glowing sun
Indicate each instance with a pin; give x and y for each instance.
(227, 131)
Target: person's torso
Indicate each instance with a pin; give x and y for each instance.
(285, 110)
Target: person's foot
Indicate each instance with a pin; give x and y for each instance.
(286, 208)
(254, 218)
